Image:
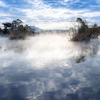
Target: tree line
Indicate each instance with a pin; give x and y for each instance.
(16, 30)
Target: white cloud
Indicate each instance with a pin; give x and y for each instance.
(66, 0)
(4, 15)
(98, 1)
(6, 19)
(2, 4)
(52, 25)
(47, 17)
(91, 14)
(76, 1)
(95, 6)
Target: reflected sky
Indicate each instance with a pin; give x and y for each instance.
(49, 67)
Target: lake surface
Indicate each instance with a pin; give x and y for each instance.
(49, 67)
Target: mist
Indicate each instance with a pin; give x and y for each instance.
(49, 66)
(47, 48)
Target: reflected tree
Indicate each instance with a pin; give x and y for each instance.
(90, 49)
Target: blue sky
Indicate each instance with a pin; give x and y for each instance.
(49, 14)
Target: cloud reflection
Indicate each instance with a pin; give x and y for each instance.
(45, 69)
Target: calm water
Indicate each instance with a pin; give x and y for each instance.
(49, 67)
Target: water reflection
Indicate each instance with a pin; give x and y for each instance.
(12, 92)
(49, 68)
(89, 49)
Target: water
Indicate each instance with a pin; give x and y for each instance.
(49, 67)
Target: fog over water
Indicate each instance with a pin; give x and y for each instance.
(49, 67)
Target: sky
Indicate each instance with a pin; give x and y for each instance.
(50, 14)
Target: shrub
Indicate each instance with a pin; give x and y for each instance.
(13, 37)
(21, 36)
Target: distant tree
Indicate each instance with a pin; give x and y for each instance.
(22, 29)
(29, 29)
(0, 29)
(16, 23)
(95, 25)
(17, 30)
(6, 25)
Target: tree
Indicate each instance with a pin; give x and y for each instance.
(95, 25)
(16, 23)
(6, 25)
(29, 29)
(83, 26)
(84, 33)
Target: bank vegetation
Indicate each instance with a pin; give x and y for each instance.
(82, 32)
(16, 30)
